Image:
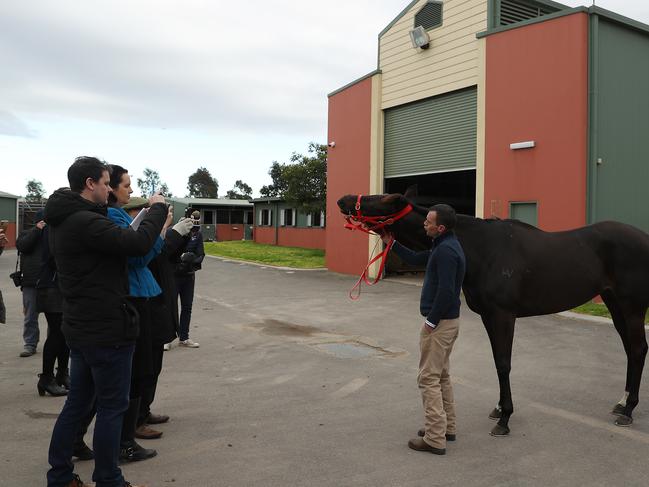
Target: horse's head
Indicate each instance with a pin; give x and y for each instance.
(394, 213)
(372, 205)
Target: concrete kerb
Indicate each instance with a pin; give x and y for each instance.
(258, 264)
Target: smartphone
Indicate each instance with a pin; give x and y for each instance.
(4, 224)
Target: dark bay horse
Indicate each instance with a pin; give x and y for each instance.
(516, 270)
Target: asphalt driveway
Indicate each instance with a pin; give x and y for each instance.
(294, 384)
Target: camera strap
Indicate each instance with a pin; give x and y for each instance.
(17, 260)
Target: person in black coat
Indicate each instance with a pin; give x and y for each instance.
(50, 302)
(30, 247)
(99, 326)
(188, 260)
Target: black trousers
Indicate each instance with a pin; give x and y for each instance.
(55, 348)
(149, 386)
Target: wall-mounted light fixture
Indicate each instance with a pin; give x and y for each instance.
(522, 145)
(420, 38)
(332, 144)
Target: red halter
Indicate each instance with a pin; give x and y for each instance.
(370, 225)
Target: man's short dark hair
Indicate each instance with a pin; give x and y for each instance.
(116, 173)
(83, 168)
(445, 215)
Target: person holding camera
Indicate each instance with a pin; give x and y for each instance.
(188, 260)
(99, 324)
(30, 248)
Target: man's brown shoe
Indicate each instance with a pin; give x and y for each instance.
(156, 418)
(420, 445)
(143, 432)
(76, 482)
(449, 436)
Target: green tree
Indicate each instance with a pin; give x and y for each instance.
(241, 191)
(201, 184)
(151, 183)
(35, 191)
(303, 181)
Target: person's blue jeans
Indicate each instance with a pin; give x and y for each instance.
(106, 373)
(31, 332)
(185, 286)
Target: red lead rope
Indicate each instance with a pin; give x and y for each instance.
(370, 225)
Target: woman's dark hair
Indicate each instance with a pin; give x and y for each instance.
(116, 173)
(83, 168)
(445, 215)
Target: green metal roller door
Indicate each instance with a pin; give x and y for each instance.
(433, 135)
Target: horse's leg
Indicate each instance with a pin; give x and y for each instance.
(619, 322)
(500, 328)
(636, 353)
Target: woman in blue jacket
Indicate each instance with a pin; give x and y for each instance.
(142, 289)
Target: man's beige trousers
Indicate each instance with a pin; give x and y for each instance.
(435, 382)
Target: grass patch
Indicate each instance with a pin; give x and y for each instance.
(267, 254)
(596, 309)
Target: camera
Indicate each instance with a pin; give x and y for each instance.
(17, 278)
(194, 215)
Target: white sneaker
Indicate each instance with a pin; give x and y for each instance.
(189, 343)
(166, 347)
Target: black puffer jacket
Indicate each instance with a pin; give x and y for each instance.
(30, 245)
(90, 253)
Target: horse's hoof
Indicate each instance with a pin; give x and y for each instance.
(623, 420)
(618, 410)
(495, 414)
(499, 430)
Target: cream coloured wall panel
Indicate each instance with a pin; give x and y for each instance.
(451, 63)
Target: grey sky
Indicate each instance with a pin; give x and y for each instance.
(177, 84)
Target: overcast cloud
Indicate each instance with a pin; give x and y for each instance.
(229, 85)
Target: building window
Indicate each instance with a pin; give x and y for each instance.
(266, 217)
(249, 219)
(223, 216)
(236, 216)
(315, 219)
(287, 217)
(208, 217)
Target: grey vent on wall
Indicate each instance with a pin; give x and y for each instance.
(429, 16)
(512, 11)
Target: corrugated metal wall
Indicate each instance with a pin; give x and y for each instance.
(433, 135)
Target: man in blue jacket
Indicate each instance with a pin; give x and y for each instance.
(440, 305)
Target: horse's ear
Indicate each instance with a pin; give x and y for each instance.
(390, 198)
(411, 192)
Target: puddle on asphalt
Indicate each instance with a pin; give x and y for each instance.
(275, 327)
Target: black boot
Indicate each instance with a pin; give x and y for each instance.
(46, 383)
(63, 377)
(129, 450)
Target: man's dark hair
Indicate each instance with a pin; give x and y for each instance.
(83, 168)
(445, 215)
(116, 173)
